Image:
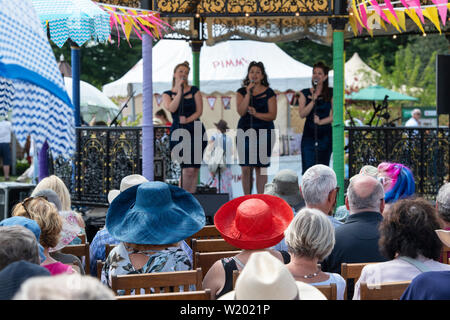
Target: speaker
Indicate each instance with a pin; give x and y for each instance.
(211, 203)
(443, 84)
(12, 193)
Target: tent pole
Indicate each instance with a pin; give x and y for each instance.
(75, 52)
(338, 25)
(147, 109)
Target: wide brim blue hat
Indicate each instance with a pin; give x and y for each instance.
(29, 224)
(154, 213)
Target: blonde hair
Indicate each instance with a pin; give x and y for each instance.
(310, 234)
(47, 217)
(183, 64)
(56, 184)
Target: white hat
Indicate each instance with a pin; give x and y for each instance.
(444, 235)
(264, 277)
(127, 182)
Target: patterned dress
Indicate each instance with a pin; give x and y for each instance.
(166, 260)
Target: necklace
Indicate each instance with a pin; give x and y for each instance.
(311, 275)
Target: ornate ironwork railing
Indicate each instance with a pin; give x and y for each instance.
(105, 155)
(424, 150)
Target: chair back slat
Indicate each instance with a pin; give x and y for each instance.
(445, 254)
(384, 291)
(79, 250)
(186, 295)
(205, 260)
(329, 291)
(207, 232)
(352, 271)
(212, 245)
(100, 265)
(167, 281)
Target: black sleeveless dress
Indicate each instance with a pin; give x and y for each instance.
(195, 138)
(249, 151)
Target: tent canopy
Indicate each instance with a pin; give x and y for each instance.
(358, 73)
(222, 67)
(374, 93)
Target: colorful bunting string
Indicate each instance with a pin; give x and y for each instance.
(362, 13)
(127, 20)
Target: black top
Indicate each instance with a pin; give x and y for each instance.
(323, 110)
(229, 265)
(261, 103)
(187, 109)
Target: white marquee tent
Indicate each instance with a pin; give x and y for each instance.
(222, 67)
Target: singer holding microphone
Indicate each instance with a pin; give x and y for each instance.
(185, 104)
(316, 105)
(257, 108)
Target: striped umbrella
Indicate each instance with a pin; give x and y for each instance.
(79, 21)
(30, 82)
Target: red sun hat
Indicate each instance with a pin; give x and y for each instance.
(254, 221)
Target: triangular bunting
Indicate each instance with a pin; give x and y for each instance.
(226, 102)
(353, 22)
(211, 101)
(412, 14)
(378, 10)
(442, 8)
(290, 95)
(401, 20)
(388, 5)
(158, 98)
(417, 8)
(392, 19)
(432, 14)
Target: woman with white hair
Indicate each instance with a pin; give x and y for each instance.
(310, 238)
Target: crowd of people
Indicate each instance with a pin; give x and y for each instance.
(288, 237)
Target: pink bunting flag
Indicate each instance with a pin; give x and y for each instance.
(388, 5)
(378, 10)
(442, 9)
(363, 12)
(418, 9)
(211, 101)
(226, 102)
(290, 96)
(158, 99)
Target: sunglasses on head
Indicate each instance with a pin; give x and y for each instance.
(25, 202)
(254, 63)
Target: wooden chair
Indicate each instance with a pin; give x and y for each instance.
(158, 281)
(108, 248)
(205, 260)
(329, 291)
(186, 295)
(82, 238)
(100, 265)
(445, 254)
(79, 250)
(352, 271)
(383, 291)
(207, 232)
(212, 245)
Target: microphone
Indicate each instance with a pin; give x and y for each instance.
(182, 85)
(251, 89)
(315, 82)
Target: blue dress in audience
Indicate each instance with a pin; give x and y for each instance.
(433, 285)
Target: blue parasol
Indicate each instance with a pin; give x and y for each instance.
(30, 82)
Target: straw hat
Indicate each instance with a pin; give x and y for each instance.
(264, 277)
(127, 182)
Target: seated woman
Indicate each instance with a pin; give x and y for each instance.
(50, 222)
(408, 238)
(253, 223)
(310, 239)
(397, 180)
(150, 220)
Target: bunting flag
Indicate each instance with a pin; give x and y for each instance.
(211, 101)
(290, 96)
(131, 20)
(226, 101)
(158, 99)
(368, 14)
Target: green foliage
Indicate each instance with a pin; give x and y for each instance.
(21, 166)
(135, 123)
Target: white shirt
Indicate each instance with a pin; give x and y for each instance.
(412, 123)
(5, 131)
(218, 142)
(393, 271)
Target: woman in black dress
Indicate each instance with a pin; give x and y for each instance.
(257, 106)
(185, 104)
(318, 119)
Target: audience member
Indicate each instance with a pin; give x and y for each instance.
(408, 239)
(17, 243)
(443, 205)
(150, 220)
(30, 225)
(357, 239)
(50, 222)
(252, 223)
(310, 238)
(56, 184)
(5, 147)
(320, 190)
(103, 237)
(265, 278)
(397, 180)
(64, 287)
(16, 273)
(69, 232)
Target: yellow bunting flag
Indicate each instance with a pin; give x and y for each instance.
(432, 14)
(401, 20)
(392, 19)
(352, 21)
(413, 15)
(128, 28)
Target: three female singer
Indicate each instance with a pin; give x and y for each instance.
(257, 106)
(185, 104)
(316, 105)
